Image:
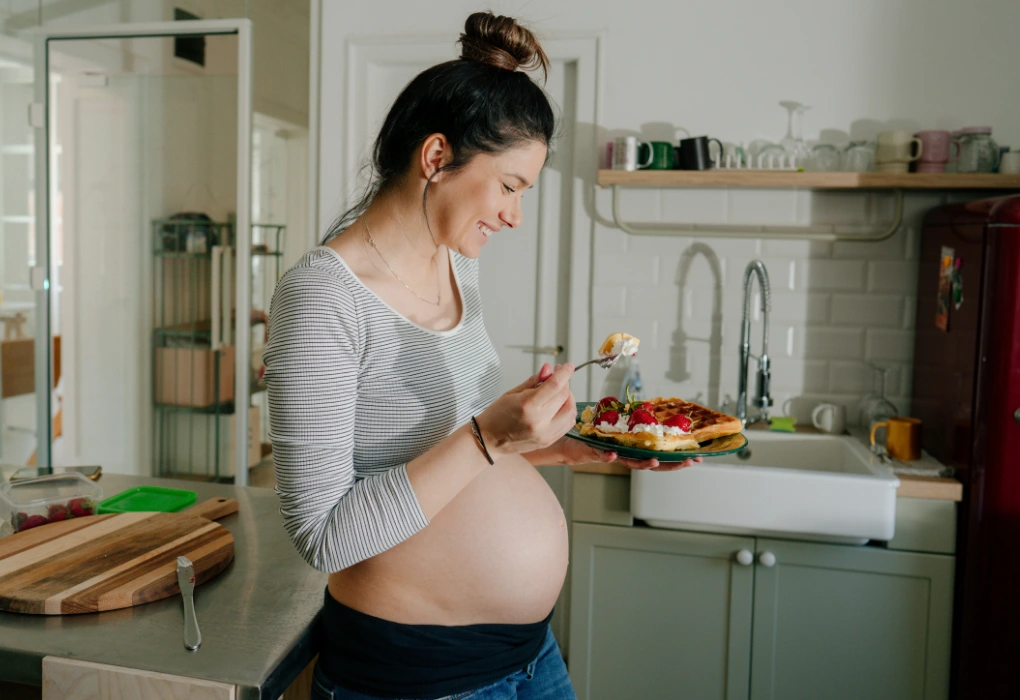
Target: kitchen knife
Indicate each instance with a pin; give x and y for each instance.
(186, 580)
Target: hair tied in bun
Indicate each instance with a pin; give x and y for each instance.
(500, 41)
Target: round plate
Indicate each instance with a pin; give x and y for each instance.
(717, 447)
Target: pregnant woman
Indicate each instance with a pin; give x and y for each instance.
(401, 470)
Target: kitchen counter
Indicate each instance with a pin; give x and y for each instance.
(256, 617)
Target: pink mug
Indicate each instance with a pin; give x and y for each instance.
(935, 154)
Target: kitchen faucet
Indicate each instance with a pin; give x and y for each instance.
(762, 400)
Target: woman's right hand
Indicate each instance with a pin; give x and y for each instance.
(530, 417)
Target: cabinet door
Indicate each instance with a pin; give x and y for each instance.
(835, 622)
(659, 614)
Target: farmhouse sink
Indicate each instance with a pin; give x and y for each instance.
(822, 487)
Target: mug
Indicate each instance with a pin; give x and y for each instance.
(936, 151)
(1009, 163)
(829, 418)
(662, 156)
(902, 437)
(692, 153)
(893, 154)
(625, 153)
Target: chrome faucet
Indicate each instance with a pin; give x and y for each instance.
(762, 400)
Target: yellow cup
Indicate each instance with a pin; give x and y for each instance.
(902, 437)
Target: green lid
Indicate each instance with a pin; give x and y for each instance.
(142, 499)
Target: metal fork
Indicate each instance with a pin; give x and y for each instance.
(603, 362)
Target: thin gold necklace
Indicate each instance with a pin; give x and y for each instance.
(439, 288)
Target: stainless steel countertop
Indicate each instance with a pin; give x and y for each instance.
(256, 616)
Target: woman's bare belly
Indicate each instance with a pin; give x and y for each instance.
(496, 553)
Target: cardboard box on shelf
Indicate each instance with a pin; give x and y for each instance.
(17, 366)
(187, 376)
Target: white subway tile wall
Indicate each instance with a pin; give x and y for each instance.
(835, 306)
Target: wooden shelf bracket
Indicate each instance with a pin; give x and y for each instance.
(821, 232)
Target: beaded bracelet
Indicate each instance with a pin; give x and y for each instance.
(478, 436)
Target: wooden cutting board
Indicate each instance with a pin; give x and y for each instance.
(105, 562)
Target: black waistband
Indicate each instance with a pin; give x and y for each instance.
(388, 659)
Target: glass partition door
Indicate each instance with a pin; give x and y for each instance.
(142, 264)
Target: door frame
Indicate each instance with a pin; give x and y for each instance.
(43, 272)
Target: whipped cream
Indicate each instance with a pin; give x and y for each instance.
(657, 430)
(673, 430)
(619, 427)
(626, 346)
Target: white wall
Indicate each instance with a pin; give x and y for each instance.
(720, 68)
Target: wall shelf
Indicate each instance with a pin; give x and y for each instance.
(771, 179)
(893, 183)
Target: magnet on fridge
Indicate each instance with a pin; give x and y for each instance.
(957, 283)
(944, 297)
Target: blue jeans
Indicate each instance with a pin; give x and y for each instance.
(545, 678)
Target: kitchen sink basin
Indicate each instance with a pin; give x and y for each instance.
(822, 487)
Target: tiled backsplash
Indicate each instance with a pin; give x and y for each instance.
(835, 306)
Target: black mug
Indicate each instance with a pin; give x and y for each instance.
(692, 153)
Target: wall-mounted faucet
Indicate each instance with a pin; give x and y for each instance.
(762, 400)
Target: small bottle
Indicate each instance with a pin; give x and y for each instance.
(632, 379)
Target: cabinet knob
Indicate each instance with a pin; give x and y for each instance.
(745, 558)
(1016, 415)
(767, 559)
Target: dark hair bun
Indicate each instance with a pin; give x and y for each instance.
(499, 41)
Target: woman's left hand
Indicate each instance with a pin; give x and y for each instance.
(576, 452)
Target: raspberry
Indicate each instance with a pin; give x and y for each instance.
(679, 421)
(611, 417)
(641, 417)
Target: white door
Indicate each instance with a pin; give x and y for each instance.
(525, 273)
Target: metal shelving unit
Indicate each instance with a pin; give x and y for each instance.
(193, 355)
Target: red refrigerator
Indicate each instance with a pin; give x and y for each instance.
(966, 389)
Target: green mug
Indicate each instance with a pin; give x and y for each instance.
(662, 156)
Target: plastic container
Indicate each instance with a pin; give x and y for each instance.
(47, 499)
(144, 499)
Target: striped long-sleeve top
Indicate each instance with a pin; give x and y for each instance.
(356, 390)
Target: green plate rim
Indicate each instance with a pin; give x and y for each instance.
(704, 449)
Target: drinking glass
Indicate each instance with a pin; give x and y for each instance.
(823, 157)
(859, 157)
(793, 142)
(773, 157)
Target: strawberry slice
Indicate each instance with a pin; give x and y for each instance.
(679, 421)
(641, 417)
(611, 417)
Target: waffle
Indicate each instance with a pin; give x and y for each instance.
(706, 425)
